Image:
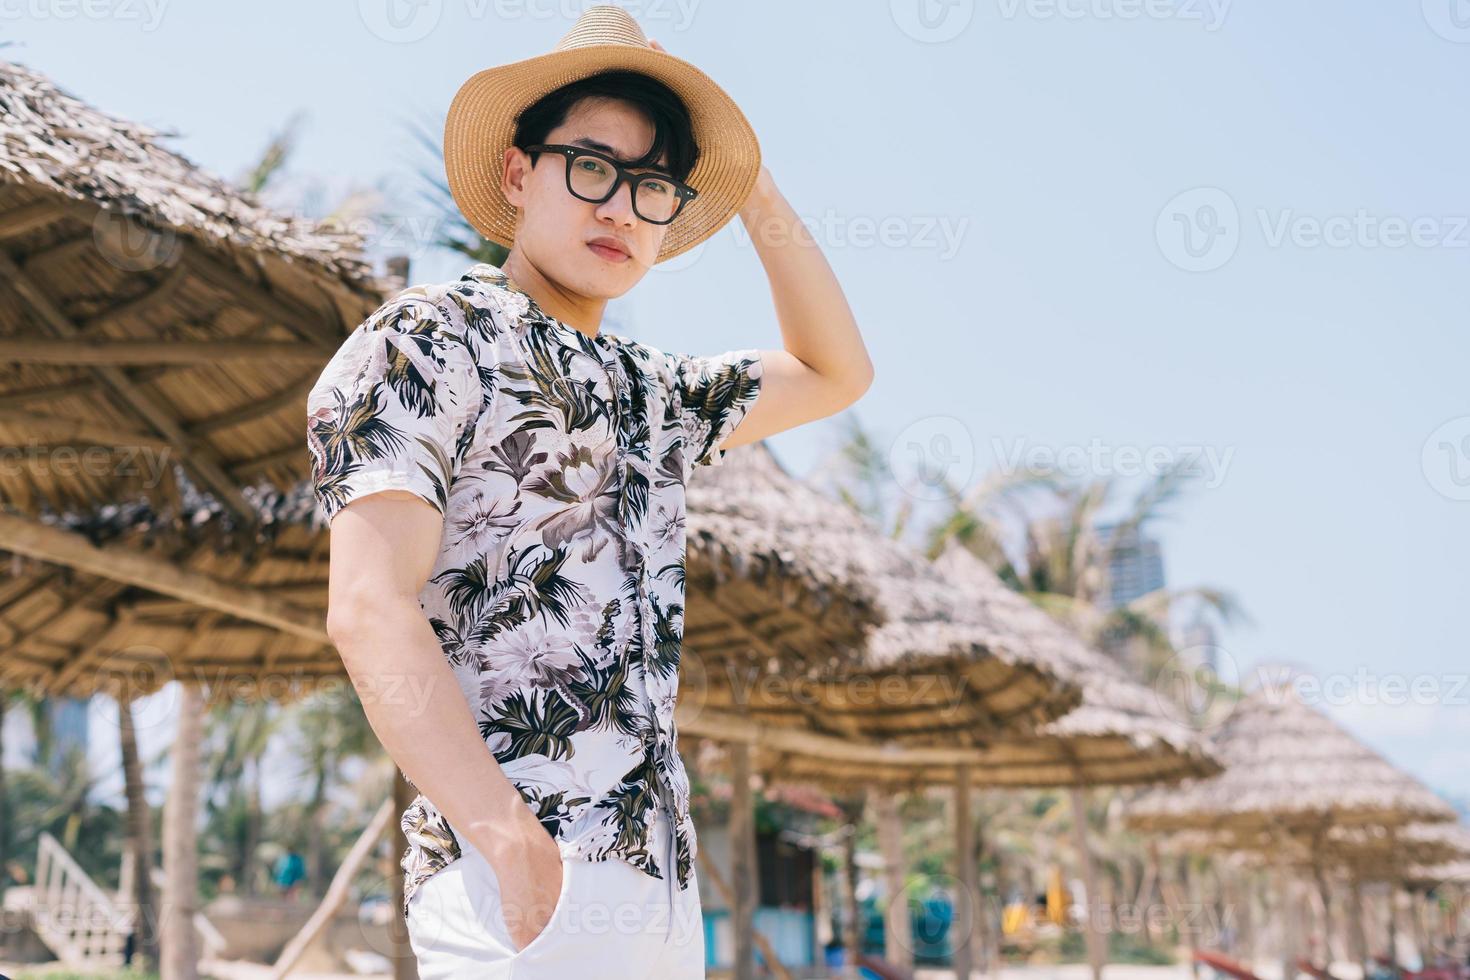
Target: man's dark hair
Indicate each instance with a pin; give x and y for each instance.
(672, 129)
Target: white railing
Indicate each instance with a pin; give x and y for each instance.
(71, 914)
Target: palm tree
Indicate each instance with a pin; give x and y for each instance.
(458, 234)
(1064, 559)
(239, 735)
(331, 731)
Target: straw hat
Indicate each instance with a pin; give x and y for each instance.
(482, 120)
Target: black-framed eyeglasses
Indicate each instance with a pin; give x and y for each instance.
(594, 177)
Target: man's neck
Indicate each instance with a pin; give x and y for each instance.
(578, 312)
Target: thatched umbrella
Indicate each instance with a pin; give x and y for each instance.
(153, 313)
(1290, 768)
(159, 324)
(1121, 734)
(928, 674)
(1291, 776)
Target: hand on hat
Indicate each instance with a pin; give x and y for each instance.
(765, 185)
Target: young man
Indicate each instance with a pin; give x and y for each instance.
(505, 486)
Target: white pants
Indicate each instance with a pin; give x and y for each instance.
(611, 920)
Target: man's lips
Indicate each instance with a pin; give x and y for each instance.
(608, 249)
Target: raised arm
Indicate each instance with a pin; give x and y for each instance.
(824, 367)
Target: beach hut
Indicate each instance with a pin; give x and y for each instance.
(159, 328)
(1292, 777)
(151, 314)
(1121, 734)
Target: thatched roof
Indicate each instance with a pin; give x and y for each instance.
(1289, 769)
(1454, 875)
(928, 674)
(152, 314)
(148, 594)
(80, 631)
(1411, 853)
(1121, 734)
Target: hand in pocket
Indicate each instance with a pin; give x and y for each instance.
(530, 876)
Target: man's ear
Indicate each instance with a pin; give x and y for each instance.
(515, 164)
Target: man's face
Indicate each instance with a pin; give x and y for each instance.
(555, 229)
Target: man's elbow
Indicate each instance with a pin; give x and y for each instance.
(350, 618)
(859, 385)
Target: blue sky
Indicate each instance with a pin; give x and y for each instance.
(1092, 228)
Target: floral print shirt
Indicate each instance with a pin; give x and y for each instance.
(559, 463)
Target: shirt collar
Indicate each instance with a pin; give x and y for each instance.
(487, 273)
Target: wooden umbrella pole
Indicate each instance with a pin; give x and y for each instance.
(1287, 920)
(707, 866)
(897, 927)
(1356, 932)
(178, 942)
(742, 860)
(852, 938)
(967, 894)
(1324, 893)
(1096, 941)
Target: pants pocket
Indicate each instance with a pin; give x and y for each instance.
(555, 924)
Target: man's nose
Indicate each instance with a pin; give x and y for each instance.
(619, 207)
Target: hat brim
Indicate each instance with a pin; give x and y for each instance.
(481, 122)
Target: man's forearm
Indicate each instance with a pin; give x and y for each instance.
(817, 324)
(414, 704)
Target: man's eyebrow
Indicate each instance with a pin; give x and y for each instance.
(602, 147)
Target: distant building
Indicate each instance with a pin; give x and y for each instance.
(1135, 568)
(68, 717)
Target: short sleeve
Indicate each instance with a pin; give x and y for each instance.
(390, 409)
(714, 393)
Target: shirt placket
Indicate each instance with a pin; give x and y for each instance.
(623, 429)
(654, 741)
